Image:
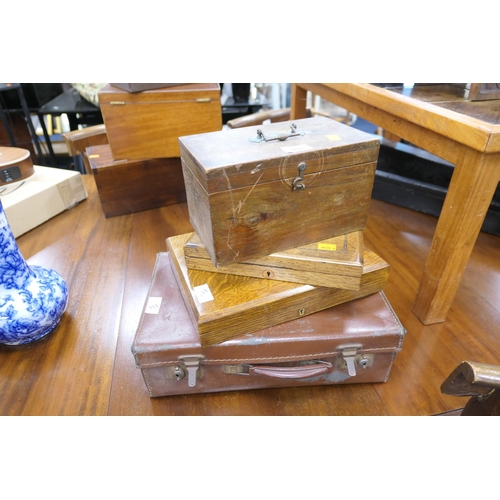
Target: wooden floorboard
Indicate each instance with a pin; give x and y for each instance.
(402, 237)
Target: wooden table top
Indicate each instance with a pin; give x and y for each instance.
(438, 108)
(454, 98)
(85, 367)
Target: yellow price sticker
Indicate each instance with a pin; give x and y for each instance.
(333, 137)
(327, 246)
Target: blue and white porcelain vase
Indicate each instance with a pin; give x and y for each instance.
(32, 298)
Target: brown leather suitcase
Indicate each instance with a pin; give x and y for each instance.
(129, 186)
(254, 191)
(148, 124)
(355, 342)
(224, 306)
(334, 263)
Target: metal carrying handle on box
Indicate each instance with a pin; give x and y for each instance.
(283, 136)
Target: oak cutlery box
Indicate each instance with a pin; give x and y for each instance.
(148, 124)
(223, 306)
(255, 191)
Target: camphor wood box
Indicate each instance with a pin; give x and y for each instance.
(148, 124)
(249, 197)
(129, 186)
(335, 263)
(224, 306)
(355, 342)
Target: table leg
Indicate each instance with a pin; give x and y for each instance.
(298, 102)
(469, 196)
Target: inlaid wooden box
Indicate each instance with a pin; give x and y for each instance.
(334, 263)
(129, 186)
(148, 124)
(223, 306)
(255, 191)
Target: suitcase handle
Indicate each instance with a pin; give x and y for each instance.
(291, 372)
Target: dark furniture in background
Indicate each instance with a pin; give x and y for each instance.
(241, 103)
(17, 102)
(78, 110)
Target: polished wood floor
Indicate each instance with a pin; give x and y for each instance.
(470, 332)
(86, 367)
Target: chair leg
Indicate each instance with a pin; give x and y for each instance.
(29, 123)
(48, 142)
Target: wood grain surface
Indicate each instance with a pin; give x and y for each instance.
(126, 187)
(148, 124)
(335, 263)
(86, 367)
(242, 304)
(250, 222)
(241, 192)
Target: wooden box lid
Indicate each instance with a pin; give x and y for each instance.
(111, 95)
(233, 158)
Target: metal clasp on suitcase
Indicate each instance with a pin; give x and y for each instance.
(350, 357)
(188, 364)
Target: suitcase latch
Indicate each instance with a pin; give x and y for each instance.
(351, 357)
(192, 363)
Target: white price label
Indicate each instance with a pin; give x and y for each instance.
(203, 293)
(297, 149)
(153, 305)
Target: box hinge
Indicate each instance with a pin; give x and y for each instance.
(350, 357)
(204, 99)
(117, 103)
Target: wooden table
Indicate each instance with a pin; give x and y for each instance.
(85, 366)
(438, 119)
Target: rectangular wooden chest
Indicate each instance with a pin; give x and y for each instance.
(355, 342)
(128, 186)
(224, 306)
(255, 191)
(148, 124)
(335, 263)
